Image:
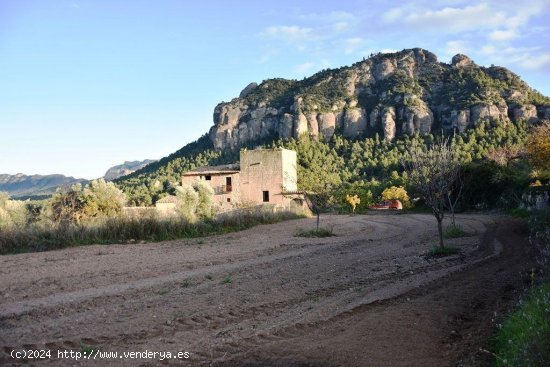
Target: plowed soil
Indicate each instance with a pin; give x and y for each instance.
(263, 297)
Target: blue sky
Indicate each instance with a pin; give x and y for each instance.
(87, 84)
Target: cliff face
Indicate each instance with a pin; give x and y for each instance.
(391, 94)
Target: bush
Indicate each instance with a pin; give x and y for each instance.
(523, 337)
(454, 231)
(397, 193)
(438, 251)
(321, 232)
(37, 237)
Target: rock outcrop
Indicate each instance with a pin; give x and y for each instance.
(406, 92)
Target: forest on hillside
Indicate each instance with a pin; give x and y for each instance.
(363, 166)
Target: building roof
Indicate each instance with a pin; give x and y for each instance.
(212, 170)
(170, 199)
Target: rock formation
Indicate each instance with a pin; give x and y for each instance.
(406, 92)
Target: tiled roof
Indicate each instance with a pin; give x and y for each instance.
(225, 168)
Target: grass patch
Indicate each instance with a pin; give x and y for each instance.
(126, 230)
(87, 350)
(438, 251)
(321, 232)
(522, 340)
(518, 213)
(227, 280)
(454, 231)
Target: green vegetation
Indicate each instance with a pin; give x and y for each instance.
(438, 251)
(522, 340)
(319, 232)
(364, 167)
(227, 280)
(125, 230)
(454, 231)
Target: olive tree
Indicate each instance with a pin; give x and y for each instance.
(433, 171)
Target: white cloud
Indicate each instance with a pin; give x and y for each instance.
(456, 47)
(506, 35)
(539, 62)
(340, 26)
(288, 33)
(304, 67)
(351, 44)
(387, 50)
(448, 19)
(312, 67)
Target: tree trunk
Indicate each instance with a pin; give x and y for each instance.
(452, 209)
(318, 215)
(440, 230)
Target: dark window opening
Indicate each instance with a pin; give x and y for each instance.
(228, 186)
(266, 196)
(208, 178)
(228, 200)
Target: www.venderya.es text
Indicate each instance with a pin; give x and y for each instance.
(96, 354)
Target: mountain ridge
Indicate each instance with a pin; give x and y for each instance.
(392, 94)
(22, 186)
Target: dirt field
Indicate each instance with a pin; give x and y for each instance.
(263, 297)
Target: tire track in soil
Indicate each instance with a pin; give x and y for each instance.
(281, 316)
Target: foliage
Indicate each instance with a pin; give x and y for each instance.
(538, 147)
(397, 193)
(319, 232)
(454, 231)
(522, 340)
(96, 200)
(188, 200)
(206, 207)
(439, 251)
(13, 213)
(122, 229)
(539, 228)
(347, 166)
(353, 201)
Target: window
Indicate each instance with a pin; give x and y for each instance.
(208, 178)
(266, 196)
(228, 200)
(228, 187)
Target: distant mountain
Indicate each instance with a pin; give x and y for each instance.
(125, 169)
(22, 186)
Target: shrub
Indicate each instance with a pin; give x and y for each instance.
(438, 251)
(523, 337)
(321, 232)
(454, 231)
(122, 229)
(397, 193)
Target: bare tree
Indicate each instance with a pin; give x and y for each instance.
(433, 172)
(453, 195)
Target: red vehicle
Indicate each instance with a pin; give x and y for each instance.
(390, 204)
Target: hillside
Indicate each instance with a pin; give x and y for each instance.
(354, 123)
(125, 169)
(22, 186)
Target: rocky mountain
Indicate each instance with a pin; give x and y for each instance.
(390, 94)
(22, 186)
(125, 169)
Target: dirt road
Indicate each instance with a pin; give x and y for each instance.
(262, 297)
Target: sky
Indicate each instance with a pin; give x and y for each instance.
(88, 84)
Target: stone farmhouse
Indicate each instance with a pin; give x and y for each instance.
(258, 179)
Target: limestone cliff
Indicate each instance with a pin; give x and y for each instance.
(406, 92)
